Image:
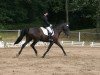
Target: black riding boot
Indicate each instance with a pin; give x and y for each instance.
(50, 37)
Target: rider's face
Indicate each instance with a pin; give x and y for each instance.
(46, 14)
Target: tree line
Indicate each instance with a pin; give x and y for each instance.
(81, 13)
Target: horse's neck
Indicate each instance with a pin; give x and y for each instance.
(58, 30)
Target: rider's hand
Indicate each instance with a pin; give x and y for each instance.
(50, 25)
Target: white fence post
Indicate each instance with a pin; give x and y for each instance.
(79, 37)
(18, 33)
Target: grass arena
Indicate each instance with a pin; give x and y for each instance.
(79, 61)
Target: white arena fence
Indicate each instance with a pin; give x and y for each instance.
(64, 43)
(8, 37)
(73, 43)
(85, 36)
(95, 44)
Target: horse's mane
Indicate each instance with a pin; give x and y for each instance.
(57, 26)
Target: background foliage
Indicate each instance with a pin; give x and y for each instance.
(17, 14)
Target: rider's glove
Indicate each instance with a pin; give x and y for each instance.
(50, 25)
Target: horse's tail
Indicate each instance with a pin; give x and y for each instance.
(22, 34)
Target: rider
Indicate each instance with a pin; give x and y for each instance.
(47, 25)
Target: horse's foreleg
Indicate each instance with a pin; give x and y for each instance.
(32, 45)
(51, 43)
(60, 47)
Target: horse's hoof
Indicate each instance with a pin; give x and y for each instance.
(36, 54)
(42, 57)
(65, 54)
(17, 55)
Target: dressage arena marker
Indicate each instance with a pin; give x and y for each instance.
(94, 44)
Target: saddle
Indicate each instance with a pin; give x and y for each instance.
(45, 31)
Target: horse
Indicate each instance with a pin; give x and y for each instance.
(36, 34)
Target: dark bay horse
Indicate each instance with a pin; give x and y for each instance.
(37, 35)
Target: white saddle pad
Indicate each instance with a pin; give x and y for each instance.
(46, 32)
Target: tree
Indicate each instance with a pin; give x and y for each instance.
(82, 13)
(11, 12)
(98, 21)
(98, 18)
(66, 9)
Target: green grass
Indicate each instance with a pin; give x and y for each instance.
(87, 35)
(8, 36)
(12, 36)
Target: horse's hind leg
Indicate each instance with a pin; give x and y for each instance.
(60, 47)
(32, 45)
(27, 41)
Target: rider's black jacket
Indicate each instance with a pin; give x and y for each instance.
(45, 21)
